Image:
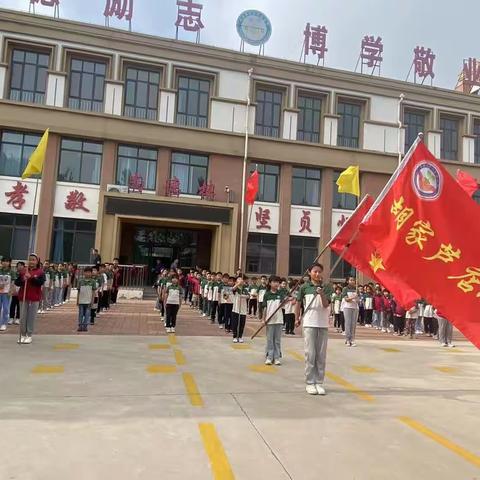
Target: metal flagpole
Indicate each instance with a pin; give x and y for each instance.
(244, 175)
(31, 239)
(400, 126)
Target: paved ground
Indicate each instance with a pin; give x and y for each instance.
(184, 407)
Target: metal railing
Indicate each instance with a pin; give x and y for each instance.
(132, 277)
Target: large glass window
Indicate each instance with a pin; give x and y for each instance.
(303, 252)
(73, 240)
(476, 132)
(268, 180)
(87, 85)
(414, 124)
(191, 170)
(268, 112)
(309, 115)
(349, 124)
(192, 104)
(80, 161)
(449, 127)
(15, 150)
(15, 234)
(141, 93)
(137, 160)
(28, 80)
(346, 201)
(306, 187)
(343, 270)
(262, 253)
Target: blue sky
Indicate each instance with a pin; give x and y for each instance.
(448, 28)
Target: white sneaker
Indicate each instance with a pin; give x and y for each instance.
(278, 362)
(311, 390)
(220, 327)
(353, 344)
(10, 321)
(21, 339)
(204, 314)
(235, 340)
(16, 322)
(27, 340)
(3, 328)
(383, 330)
(240, 340)
(451, 345)
(343, 333)
(320, 390)
(268, 361)
(172, 330)
(444, 344)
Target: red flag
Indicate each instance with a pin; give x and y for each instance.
(423, 228)
(358, 251)
(467, 182)
(252, 188)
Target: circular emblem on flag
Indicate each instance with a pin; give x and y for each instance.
(427, 181)
(254, 27)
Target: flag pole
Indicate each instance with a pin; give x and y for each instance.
(400, 126)
(244, 174)
(297, 283)
(31, 238)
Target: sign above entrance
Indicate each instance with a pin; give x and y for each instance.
(254, 28)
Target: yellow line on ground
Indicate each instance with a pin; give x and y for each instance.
(263, 368)
(350, 387)
(390, 349)
(179, 357)
(444, 442)
(296, 355)
(221, 468)
(154, 369)
(192, 390)
(364, 369)
(241, 346)
(172, 340)
(66, 346)
(446, 369)
(40, 369)
(158, 346)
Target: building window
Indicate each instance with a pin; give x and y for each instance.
(191, 170)
(309, 118)
(262, 253)
(141, 93)
(268, 179)
(449, 127)
(303, 252)
(306, 187)
(15, 234)
(476, 132)
(343, 270)
(80, 161)
(268, 113)
(73, 240)
(476, 197)
(349, 124)
(87, 85)
(192, 104)
(414, 124)
(28, 81)
(137, 160)
(15, 150)
(345, 201)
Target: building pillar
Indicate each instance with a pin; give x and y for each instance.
(113, 97)
(55, 95)
(163, 170)
(468, 149)
(43, 233)
(326, 227)
(330, 129)
(167, 105)
(3, 79)
(290, 121)
(108, 174)
(434, 142)
(283, 240)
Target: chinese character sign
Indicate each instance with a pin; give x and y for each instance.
(189, 17)
(122, 9)
(262, 216)
(423, 63)
(16, 197)
(471, 72)
(371, 53)
(305, 222)
(315, 42)
(46, 3)
(76, 201)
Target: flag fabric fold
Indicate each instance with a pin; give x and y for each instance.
(37, 158)
(467, 182)
(417, 232)
(349, 181)
(252, 188)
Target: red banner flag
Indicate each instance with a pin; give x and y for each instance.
(252, 188)
(467, 182)
(358, 251)
(418, 230)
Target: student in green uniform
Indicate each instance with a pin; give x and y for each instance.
(253, 300)
(173, 300)
(216, 287)
(271, 303)
(240, 308)
(86, 294)
(315, 300)
(262, 288)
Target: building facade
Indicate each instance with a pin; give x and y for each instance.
(147, 137)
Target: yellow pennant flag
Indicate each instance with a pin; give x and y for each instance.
(349, 181)
(35, 162)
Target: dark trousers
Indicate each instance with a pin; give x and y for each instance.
(213, 310)
(221, 314)
(361, 315)
(114, 294)
(260, 310)
(289, 323)
(200, 303)
(15, 307)
(93, 313)
(430, 324)
(227, 315)
(368, 316)
(398, 324)
(238, 324)
(252, 306)
(65, 293)
(171, 313)
(337, 323)
(162, 308)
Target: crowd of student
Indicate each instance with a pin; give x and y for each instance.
(48, 286)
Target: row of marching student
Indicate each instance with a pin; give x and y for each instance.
(36, 288)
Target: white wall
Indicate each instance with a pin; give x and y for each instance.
(339, 217)
(380, 138)
(166, 112)
(330, 130)
(273, 212)
(296, 214)
(113, 98)
(230, 117)
(233, 85)
(55, 90)
(468, 150)
(383, 109)
(290, 120)
(90, 192)
(6, 186)
(3, 75)
(434, 143)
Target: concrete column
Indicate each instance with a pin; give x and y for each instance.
(56, 83)
(108, 174)
(3, 80)
(283, 240)
(326, 227)
(163, 169)
(434, 142)
(330, 129)
(167, 106)
(113, 97)
(468, 149)
(46, 198)
(290, 121)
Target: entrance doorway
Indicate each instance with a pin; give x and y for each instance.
(160, 246)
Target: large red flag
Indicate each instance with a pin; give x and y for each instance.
(425, 231)
(467, 182)
(358, 251)
(252, 188)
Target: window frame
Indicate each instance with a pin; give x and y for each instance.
(13, 226)
(261, 256)
(303, 248)
(24, 158)
(412, 110)
(344, 197)
(273, 89)
(445, 116)
(343, 265)
(306, 179)
(261, 180)
(190, 165)
(73, 231)
(136, 159)
(362, 105)
(476, 135)
(313, 96)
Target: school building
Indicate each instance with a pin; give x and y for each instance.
(147, 140)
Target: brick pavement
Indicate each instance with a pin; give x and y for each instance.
(137, 317)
